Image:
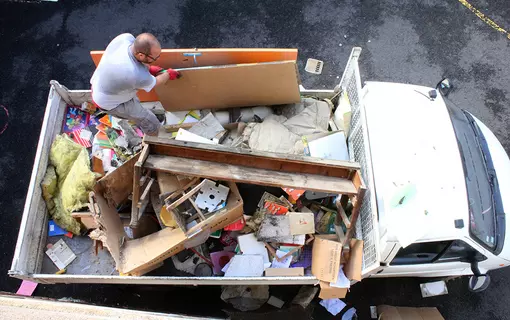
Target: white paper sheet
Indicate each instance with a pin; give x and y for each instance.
(249, 245)
(334, 306)
(342, 281)
(245, 265)
(285, 263)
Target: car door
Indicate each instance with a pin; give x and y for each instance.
(433, 259)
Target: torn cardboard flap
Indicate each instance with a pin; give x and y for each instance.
(141, 254)
(117, 185)
(326, 256)
(285, 272)
(352, 268)
(329, 292)
(111, 231)
(301, 223)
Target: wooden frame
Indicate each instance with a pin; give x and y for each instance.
(249, 158)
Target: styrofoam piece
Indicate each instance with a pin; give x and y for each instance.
(210, 196)
(61, 254)
(333, 147)
(432, 289)
(314, 66)
(275, 302)
(185, 135)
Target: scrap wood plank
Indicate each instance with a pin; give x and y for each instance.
(221, 171)
(357, 201)
(268, 83)
(184, 58)
(251, 158)
(137, 175)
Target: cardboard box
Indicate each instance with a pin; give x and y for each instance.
(227, 86)
(326, 256)
(329, 292)
(285, 272)
(134, 256)
(405, 313)
(352, 267)
(301, 222)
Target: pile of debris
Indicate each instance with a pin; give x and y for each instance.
(190, 194)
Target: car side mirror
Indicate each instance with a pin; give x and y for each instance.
(444, 86)
(478, 282)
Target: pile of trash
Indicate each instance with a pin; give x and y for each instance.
(207, 227)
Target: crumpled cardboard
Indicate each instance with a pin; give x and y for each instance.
(329, 292)
(326, 256)
(406, 313)
(352, 267)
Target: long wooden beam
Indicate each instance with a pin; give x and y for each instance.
(254, 159)
(243, 174)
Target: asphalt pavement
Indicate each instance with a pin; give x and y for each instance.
(415, 42)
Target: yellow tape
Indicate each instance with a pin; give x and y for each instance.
(484, 18)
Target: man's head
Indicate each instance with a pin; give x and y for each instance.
(146, 48)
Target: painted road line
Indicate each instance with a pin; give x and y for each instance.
(484, 18)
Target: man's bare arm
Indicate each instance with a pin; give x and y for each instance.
(162, 78)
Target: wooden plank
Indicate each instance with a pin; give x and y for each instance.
(145, 194)
(221, 171)
(256, 159)
(136, 195)
(357, 201)
(344, 217)
(185, 196)
(269, 83)
(179, 58)
(137, 175)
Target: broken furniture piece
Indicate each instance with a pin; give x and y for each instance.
(210, 197)
(222, 163)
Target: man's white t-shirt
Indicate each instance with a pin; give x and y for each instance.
(119, 75)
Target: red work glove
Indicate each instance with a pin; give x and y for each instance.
(173, 74)
(155, 70)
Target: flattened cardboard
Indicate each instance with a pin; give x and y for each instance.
(406, 313)
(139, 255)
(329, 292)
(352, 268)
(187, 58)
(285, 272)
(301, 222)
(326, 259)
(228, 86)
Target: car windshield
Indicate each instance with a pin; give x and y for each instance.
(482, 211)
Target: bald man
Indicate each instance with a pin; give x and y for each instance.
(126, 66)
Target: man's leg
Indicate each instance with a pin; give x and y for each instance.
(133, 110)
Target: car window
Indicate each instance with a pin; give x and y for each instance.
(461, 251)
(436, 252)
(417, 253)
